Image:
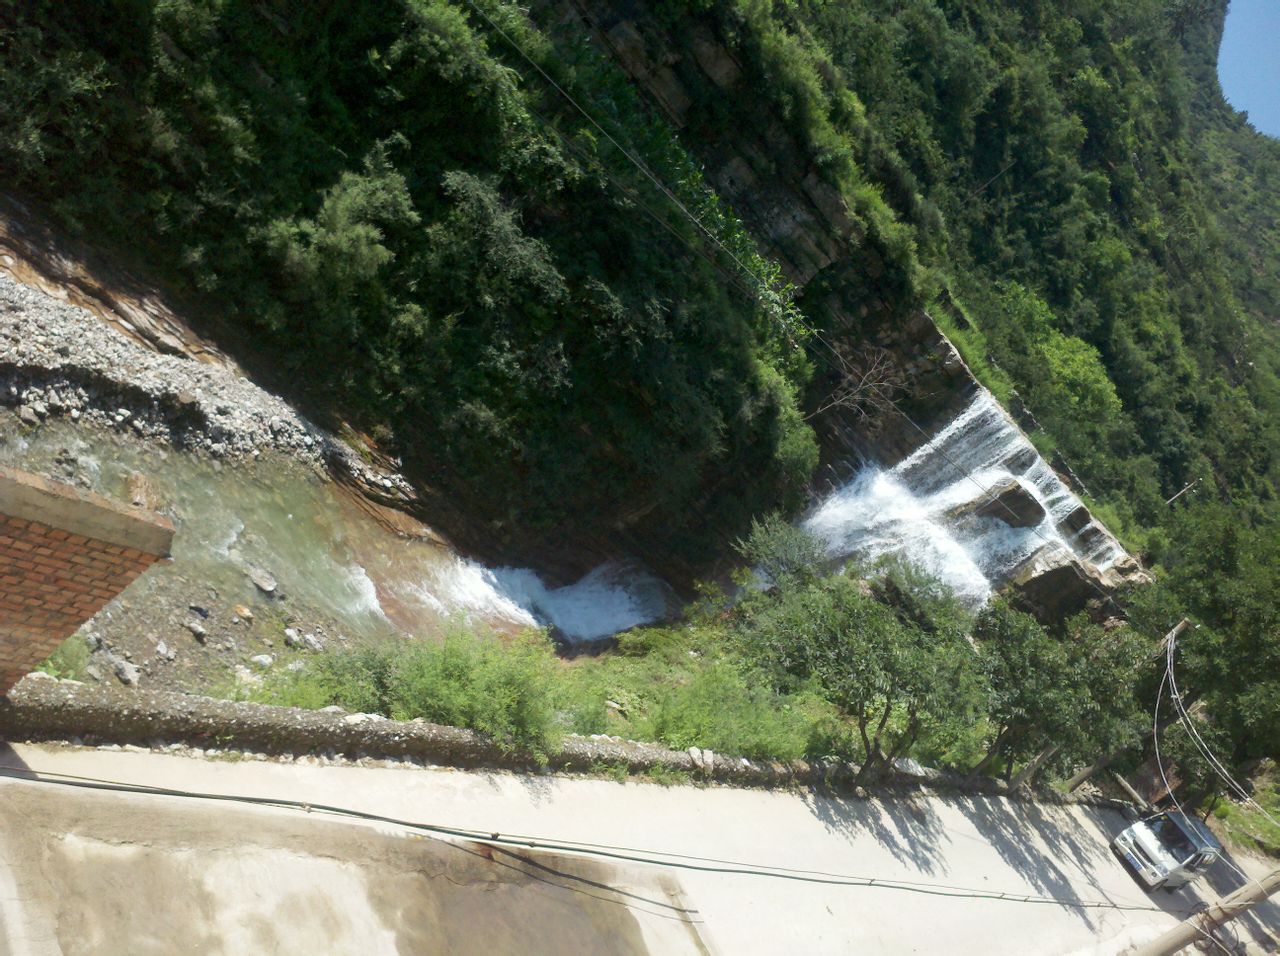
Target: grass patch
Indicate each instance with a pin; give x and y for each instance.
(972, 346)
(666, 776)
(615, 770)
(1246, 826)
(687, 687)
(682, 687)
(504, 690)
(69, 660)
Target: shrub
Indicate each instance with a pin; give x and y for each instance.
(720, 708)
(501, 689)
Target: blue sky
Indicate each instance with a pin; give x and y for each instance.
(1249, 62)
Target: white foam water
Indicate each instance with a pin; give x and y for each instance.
(609, 599)
(905, 511)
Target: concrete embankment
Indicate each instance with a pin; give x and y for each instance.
(130, 873)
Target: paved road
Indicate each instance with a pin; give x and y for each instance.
(975, 843)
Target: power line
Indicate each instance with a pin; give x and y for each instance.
(1168, 678)
(634, 196)
(624, 854)
(1155, 738)
(635, 161)
(1200, 744)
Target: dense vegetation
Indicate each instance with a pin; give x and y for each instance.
(818, 664)
(416, 224)
(422, 225)
(1075, 203)
(1085, 218)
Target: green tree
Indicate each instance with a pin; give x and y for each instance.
(894, 678)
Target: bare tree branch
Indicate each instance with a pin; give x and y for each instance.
(870, 380)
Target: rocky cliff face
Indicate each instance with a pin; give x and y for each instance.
(800, 220)
(804, 223)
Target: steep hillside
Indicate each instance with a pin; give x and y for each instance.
(1071, 195)
(602, 274)
(465, 229)
(403, 220)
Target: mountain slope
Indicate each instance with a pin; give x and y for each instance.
(439, 219)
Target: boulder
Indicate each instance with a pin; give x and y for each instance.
(262, 580)
(1053, 585)
(1010, 501)
(127, 673)
(300, 641)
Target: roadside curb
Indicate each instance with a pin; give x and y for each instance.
(42, 708)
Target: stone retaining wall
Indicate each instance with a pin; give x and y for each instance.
(42, 708)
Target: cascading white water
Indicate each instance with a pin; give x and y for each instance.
(607, 600)
(907, 510)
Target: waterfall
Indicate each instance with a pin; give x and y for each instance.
(607, 600)
(916, 510)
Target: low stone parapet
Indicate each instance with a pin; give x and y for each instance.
(44, 708)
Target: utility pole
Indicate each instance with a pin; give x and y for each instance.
(1204, 923)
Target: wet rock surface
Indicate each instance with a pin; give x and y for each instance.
(1008, 501)
(1053, 585)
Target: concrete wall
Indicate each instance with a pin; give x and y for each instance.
(64, 553)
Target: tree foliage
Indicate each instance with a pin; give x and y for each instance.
(420, 232)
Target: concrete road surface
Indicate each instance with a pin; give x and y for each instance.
(807, 850)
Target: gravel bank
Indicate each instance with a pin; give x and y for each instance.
(60, 360)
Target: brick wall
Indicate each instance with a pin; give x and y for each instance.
(64, 553)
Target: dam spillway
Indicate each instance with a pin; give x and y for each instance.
(927, 509)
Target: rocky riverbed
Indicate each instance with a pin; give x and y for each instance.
(272, 561)
(60, 360)
(269, 564)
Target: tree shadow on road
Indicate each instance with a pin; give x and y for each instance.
(1055, 850)
(906, 825)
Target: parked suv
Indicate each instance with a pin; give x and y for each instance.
(1167, 850)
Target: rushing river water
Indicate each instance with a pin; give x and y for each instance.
(326, 555)
(330, 558)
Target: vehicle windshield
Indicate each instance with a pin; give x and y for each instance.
(1171, 835)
